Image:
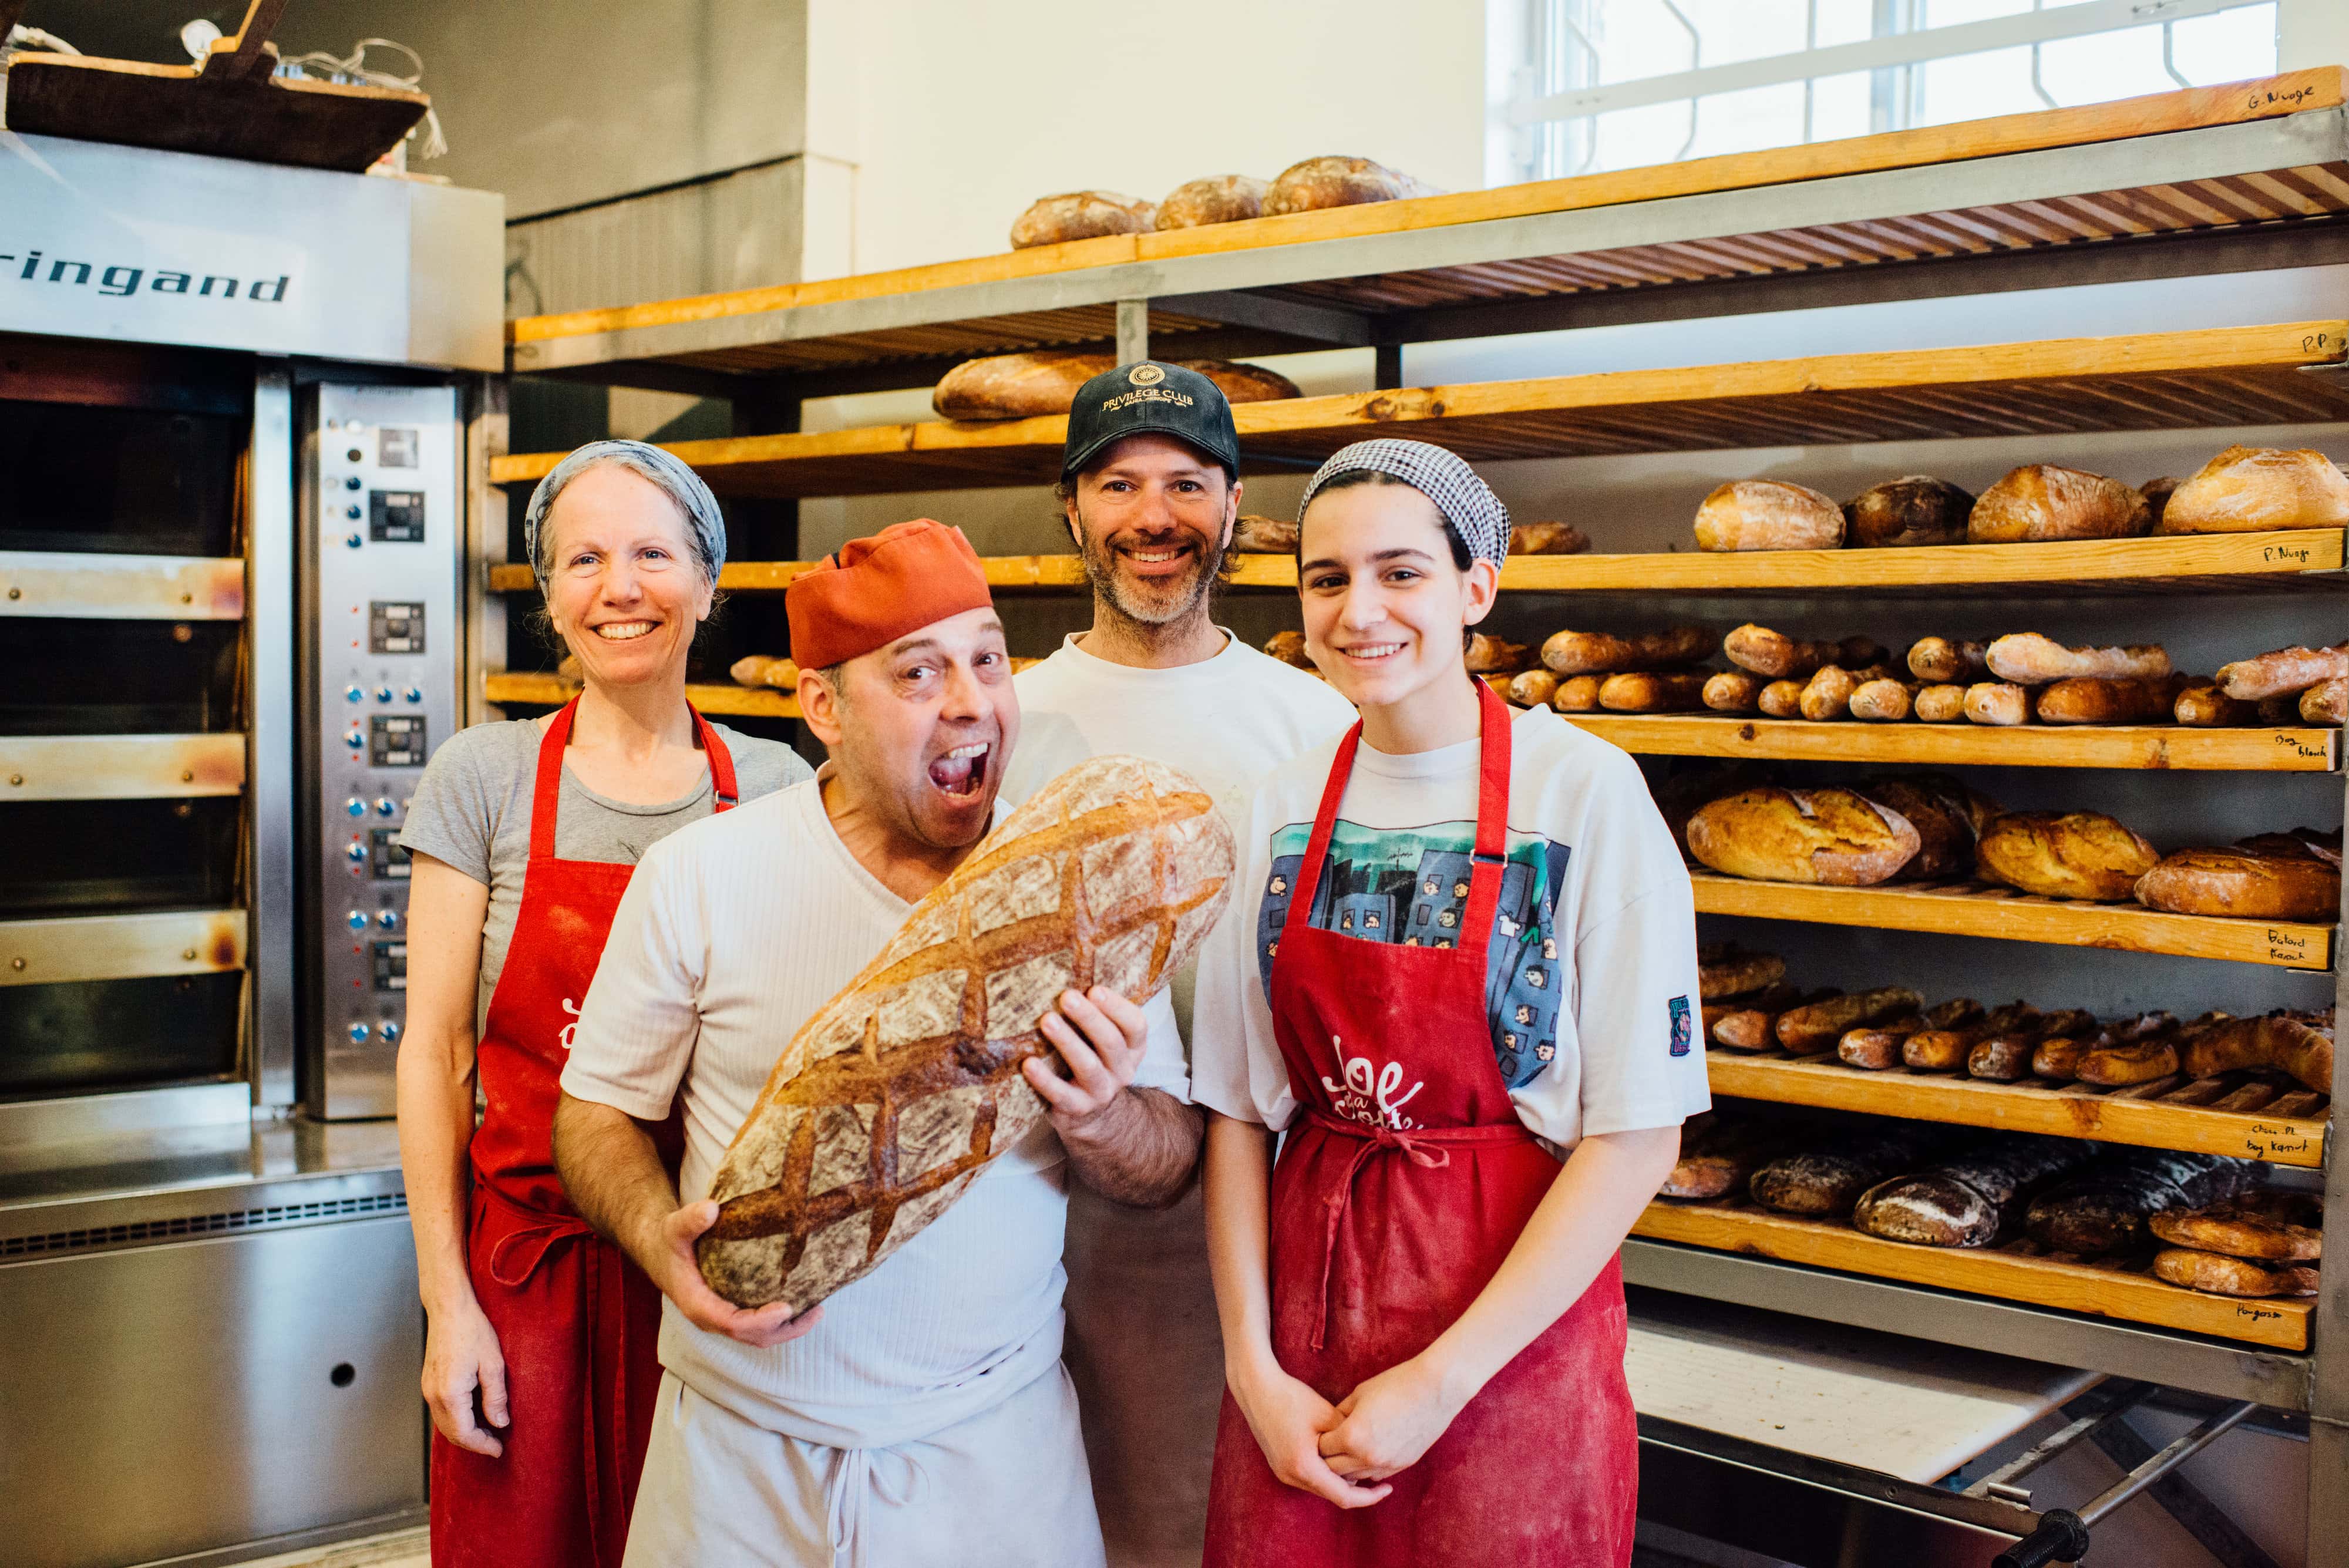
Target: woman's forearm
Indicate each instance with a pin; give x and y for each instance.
(1236, 1181)
(435, 1129)
(1590, 1205)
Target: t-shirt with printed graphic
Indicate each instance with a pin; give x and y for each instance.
(1591, 977)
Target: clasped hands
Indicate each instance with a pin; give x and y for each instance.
(1344, 1453)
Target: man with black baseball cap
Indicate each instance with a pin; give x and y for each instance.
(1149, 492)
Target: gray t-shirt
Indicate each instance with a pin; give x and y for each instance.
(472, 809)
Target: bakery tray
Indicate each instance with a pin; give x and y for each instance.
(2246, 1114)
(1968, 909)
(2018, 1271)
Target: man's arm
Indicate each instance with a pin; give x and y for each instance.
(614, 1177)
(1136, 1146)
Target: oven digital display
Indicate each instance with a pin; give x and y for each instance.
(395, 740)
(392, 966)
(394, 449)
(396, 516)
(387, 861)
(393, 627)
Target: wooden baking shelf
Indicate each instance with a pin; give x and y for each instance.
(2209, 379)
(538, 689)
(1967, 910)
(2177, 746)
(120, 588)
(121, 947)
(119, 767)
(2248, 1116)
(2018, 1271)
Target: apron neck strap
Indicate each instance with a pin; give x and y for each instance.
(546, 793)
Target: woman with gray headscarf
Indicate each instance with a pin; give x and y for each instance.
(1468, 996)
(539, 1356)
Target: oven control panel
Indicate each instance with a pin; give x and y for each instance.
(385, 481)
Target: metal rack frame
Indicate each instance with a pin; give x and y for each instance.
(1290, 296)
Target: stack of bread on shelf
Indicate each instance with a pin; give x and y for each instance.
(1312, 185)
(2241, 490)
(2252, 1243)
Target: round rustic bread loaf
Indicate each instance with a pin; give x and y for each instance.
(2041, 501)
(1547, 539)
(2065, 855)
(1080, 216)
(1217, 199)
(2250, 489)
(1834, 836)
(1259, 536)
(2245, 883)
(1339, 181)
(1026, 386)
(1917, 510)
(2227, 1276)
(1767, 515)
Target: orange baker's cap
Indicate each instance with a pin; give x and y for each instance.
(870, 592)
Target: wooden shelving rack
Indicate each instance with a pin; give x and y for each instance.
(2208, 180)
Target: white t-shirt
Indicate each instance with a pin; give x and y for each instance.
(1227, 721)
(733, 932)
(1593, 999)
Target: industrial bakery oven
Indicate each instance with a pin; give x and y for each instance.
(239, 408)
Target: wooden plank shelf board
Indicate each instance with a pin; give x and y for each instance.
(121, 947)
(1967, 910)
(539, 689)
(2154, 746)
(1002, 572)
(2018, 1273)
(119, 767)
(2243, 1114)
(2207, 378)
(98, 586)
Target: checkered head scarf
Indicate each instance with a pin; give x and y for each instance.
(1466, 502)
(705, 525)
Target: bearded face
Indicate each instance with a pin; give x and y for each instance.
(1152, 520)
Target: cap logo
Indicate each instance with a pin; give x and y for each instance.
(1145, 375)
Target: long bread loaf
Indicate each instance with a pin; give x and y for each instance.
(1966, 1201)
(901, 1088)
(2104, 1209)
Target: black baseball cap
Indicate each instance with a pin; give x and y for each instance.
(1151, 397)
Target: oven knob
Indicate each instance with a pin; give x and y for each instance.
(388, 1031)
(356, 807)
(352, 483)
(352, 512)
(355, 454)
(353, 693)
(359, 1033)
(354, 737)
(356, 920)
(353, 540)
(383, 805)
(355, 852)
(383, 694)
(387, 919)
(414, 694)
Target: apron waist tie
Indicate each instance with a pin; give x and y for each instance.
(848, 1492)
(1430, 1148)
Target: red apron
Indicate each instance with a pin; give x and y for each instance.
(1399, 1191)
(578, 1322)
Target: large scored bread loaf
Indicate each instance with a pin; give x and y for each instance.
(1967, 1199)
(1834, 836)
(2248, 489)
(2065, 855)
(1023, 385)
(2105, 1211)
(2041, 502)
(1917, 510)
(2245, 883)
(1217, 199)
(1829, 1176)
(1339, 181)
(1080, 216)
(1767, 515)
(894, 1096)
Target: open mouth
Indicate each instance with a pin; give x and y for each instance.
(623, 630)
(962, 771)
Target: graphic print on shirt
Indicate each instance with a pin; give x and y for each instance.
(1409, 886)
(1368, 1095)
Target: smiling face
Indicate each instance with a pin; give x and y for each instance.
(623, 585)
(921, 730)
(1384, 602)
(1151, 520)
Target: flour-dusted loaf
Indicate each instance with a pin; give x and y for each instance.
(1534, 688)
(1025, 386)
(1967, 1199)
(894, 1096)
(2065, 855)
(2041, 502)
(1949, 661)
(1767, 515)
(1835, 837)
(2282, 670)
(1734, 692)
(2027, 659)
(1339, 181)
(2250, 489)
(2104, 1209)
(1917, 510)
(1080, 216)
(1217, 199)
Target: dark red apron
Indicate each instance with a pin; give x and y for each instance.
(578, 1322)
(1399, 1190)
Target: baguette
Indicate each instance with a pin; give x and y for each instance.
(1944, 1050)
(1577, 694)
(2004, 1057)
(1080, 216)
(750, 669)
(2300, 1046)
(1111, 875)
(1653, 692)
(1940, 661)
(1827, 1180)
(1832, 836)
(2203, 705)
(2059, 1057)
(1775, 654)
(2028, 658)
(1967, 1199)
(1882, 700)
(1755, 1027)
(1339, 181)
(1878, 1048)
(2105, 1210)
(1255, 535)
(1767, 515)
(1916, 510)
(2041, 501)
(2143, 1055)
(1492, 656)
(1998, 702)
(2326, 703)
(2268, 1225)
(1547, 539)
(2246, 883)
(1734, 692)
(1533, 687)
(1781, 700)
(2065, 855)
(1768, 1001)
(2284, 671)
(2083, 701)
(1601, 653)
(1217, 198)
(1727, 970)
(1722, 1158)
(2227, 1276)
(1813, 1028)
(1939, 704)
(2245, 490)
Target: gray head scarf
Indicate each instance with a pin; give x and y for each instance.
(704, 524)
(1466, 502)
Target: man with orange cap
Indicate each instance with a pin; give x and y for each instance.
(921, 1415)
